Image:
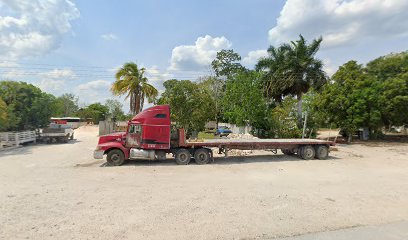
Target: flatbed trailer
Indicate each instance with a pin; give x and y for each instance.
(150, 135)
(303, 147)
(253, 144)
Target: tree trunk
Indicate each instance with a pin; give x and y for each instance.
(299, 110)
(349, 138)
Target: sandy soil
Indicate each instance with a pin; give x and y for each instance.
(60, 192)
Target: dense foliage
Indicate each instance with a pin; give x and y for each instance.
(226, 63)
(372, 97)
(3, 115)
(24, 106)
(67, 105)
(96, 111)
(243, 101)
(27, 106)
(292, 69)
(191, 103)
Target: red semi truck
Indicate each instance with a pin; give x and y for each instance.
(150, 135)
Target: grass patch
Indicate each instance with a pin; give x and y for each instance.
(204, 135)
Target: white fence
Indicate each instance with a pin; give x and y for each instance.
(13, 139)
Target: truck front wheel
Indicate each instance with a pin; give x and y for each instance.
(182, 156)
(115, 157)
(202, 156)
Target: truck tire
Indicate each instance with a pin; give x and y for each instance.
(115, 157)
(182, 156)
(287, 151)
(307, 152)
(202, 156)
(322, 152)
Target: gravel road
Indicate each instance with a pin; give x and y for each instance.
(60, 192)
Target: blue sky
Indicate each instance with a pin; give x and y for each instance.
(75, 46)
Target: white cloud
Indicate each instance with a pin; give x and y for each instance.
(94, 91)
(157, 77)
(52, 85)
(34, 28)
(253, 56)
(9, 64)
(55, 81)
(199, 55)
(109, 36)
(329, 67)
(341, 21)
(13, 74)
(58, 73)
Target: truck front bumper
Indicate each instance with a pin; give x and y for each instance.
(98, 154)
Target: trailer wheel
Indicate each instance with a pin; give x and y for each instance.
(307, 152)
(182, 156)
(115, 157)
(202, 156)
(287, 151)
(322, 152)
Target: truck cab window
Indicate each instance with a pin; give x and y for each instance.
(160, 115)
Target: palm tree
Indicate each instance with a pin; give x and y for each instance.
(292, 69)
(130, 80)
(274, 68)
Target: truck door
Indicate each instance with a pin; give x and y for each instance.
(134, 135)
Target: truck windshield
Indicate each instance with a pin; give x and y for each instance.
(135, 129)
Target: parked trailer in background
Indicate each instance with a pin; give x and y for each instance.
(73, 122)
(150, 136)
(56, 133)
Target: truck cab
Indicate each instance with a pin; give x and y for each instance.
(147, 137)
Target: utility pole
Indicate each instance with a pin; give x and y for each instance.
(304, 125)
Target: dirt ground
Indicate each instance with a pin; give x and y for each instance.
(60, 192)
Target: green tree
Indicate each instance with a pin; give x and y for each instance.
(3, 115)
(27, 106)
(115, 109)
(226, 63)
(392, 71)
(130, 80)
(66, 105)
(244, 103)
(293, 69)
(394, 100)
(216, 88)
(96, 111)
(191, 103)
(389, 66)
(351, 99)
(42, 109)
(282, 122)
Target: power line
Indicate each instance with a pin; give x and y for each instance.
(44, 66)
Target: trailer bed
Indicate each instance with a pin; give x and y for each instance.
(245, 144)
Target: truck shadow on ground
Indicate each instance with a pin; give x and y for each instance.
(26, 149)
(224, 161)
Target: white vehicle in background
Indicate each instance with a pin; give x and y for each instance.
(73, 122)
(55, 133)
